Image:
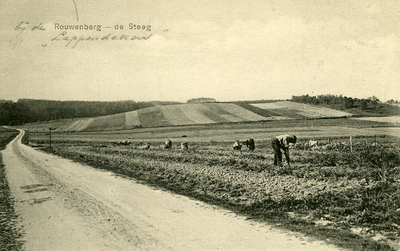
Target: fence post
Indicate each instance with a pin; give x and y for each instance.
(50, 134)
(351, 144)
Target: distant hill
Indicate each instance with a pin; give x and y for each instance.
(32, 110)
(168, 115)
(193, 114)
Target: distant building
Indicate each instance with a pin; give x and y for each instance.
(201, 100)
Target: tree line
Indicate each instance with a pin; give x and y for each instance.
(31, 110)
(371, 106)
(201, 100)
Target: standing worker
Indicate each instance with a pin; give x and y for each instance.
(282, 142)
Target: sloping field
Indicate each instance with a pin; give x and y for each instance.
(152, 117)
(198, 114)
(110, 122)
(214, 112)
(132, 119)
(241, 113)
(297, 110)
(168, 115)
(190, 114)
(78, 125)
(175, 115)
(195, 113)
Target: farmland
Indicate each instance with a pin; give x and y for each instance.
(393, 120)
(297, 110)
(347, 198)
(260, 131)
(168, 115)
(192, 114)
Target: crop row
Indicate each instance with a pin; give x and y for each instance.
(369, 163)
(357, 189)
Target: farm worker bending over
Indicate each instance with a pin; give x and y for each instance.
(282, 142)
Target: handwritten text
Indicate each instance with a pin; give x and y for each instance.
(72, 41)
(22, 26)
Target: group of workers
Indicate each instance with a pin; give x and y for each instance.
(278, 143)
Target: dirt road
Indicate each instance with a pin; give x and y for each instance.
(68, 206)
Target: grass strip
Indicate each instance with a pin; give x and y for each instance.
(10, 234)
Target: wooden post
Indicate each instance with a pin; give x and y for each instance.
(50, 133)
(351, 144)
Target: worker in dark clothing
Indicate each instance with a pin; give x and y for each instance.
(282, 142)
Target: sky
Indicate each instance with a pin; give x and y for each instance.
(227, 50)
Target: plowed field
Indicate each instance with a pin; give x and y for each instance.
(298, 110)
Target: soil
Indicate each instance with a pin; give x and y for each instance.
(63, 205)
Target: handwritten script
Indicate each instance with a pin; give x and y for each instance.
(70, 35)
(74, 40)
(22, 26)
